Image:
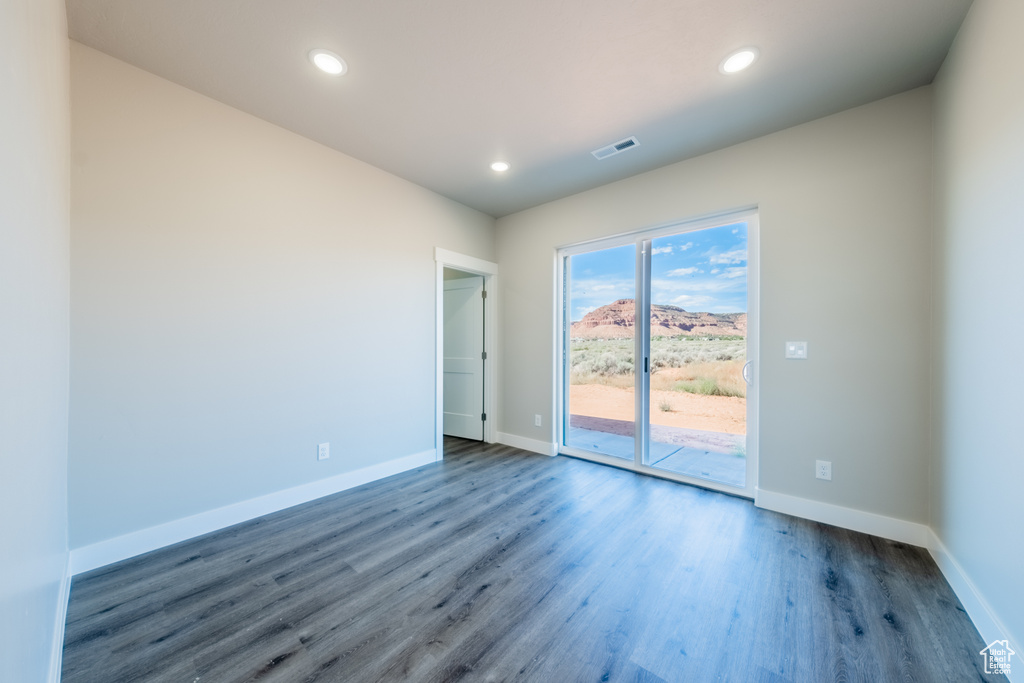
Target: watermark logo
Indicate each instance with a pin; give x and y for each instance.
(997, 657)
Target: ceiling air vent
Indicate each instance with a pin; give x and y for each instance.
(615, 148)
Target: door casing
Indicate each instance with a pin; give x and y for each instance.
(470, 264)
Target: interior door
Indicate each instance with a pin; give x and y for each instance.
(464, 357)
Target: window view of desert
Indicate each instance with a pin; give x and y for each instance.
(697, 350)
(696, 367)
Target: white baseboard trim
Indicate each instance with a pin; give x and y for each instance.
(61, 620)
(985, 619)
(847, 518)
(123, 547)
(532, 445)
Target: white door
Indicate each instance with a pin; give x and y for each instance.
(464, 357)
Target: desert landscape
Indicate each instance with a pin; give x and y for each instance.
(697, 363)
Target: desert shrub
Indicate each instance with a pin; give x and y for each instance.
(707, 386)
(665, 407)
(607, 363)
(712, 378)
(673, 359)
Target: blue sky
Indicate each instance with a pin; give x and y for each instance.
(703, 270)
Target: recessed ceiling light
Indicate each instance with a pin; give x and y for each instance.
(500, 166)
(739, 60)
(328, 62)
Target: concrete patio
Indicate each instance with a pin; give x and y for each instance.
(706, 455)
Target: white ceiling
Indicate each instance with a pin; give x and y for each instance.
(437, 90)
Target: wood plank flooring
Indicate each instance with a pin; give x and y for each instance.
(500, 565)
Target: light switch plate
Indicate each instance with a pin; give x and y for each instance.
(796, 350)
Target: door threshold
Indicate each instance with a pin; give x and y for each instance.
(630, 466)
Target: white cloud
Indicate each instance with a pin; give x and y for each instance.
(682, 272)
(595, 292)
(738, 271)
(686, 246)
(690, 301)
(715, 271)
(728, 257)
(696, 285)
(583, 310)
(662, 250)
(591, 286)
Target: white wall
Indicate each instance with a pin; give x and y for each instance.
(979, 471)
(33, 333)
(845, 208)
(240, 294)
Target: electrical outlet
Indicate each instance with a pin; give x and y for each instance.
(823, 469)
(323, 451)
(536, 420)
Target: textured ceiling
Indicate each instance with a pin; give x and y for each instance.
(438, 90)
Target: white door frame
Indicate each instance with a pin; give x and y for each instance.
(469, 264)
(751, 216)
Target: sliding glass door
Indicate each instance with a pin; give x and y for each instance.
(658, 352)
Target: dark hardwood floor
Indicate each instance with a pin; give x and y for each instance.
(499, 565)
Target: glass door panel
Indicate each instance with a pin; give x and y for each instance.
(698, 348)
(599, 414)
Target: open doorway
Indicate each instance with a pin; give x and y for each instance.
(466, 308)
